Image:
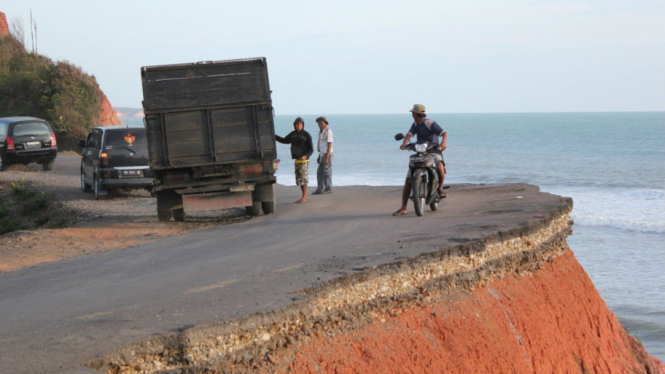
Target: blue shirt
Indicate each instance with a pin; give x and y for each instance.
(427, 131)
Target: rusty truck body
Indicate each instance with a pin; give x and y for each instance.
(211, 136)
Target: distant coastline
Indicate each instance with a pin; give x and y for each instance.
(129, 112)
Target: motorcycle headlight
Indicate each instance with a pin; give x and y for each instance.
(421, 148)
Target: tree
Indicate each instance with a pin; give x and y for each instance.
(17, 30)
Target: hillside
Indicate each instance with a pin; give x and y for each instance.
(60, 92)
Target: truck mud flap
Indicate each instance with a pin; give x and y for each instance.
(215, 201)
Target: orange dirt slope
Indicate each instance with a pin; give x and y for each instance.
(551, 321)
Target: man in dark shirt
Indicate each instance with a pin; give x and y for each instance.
(426, 130)
(301, 150)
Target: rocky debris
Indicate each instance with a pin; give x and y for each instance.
(259, 341)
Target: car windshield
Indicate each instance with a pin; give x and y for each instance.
(126, 138)
(31, 128)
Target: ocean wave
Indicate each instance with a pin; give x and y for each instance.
(619, 223)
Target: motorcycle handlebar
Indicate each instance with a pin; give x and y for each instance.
(412, 146)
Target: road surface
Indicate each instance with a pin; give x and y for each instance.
(56, 316)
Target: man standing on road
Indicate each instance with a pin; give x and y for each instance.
(426, 130)
(325, 148)
(301, 150)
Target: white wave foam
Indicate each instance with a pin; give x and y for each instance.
(624, 224)
(640, 210)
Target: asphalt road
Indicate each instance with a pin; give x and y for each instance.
(58, 315)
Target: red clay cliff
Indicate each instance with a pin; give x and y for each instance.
(552, 321)
(108, 116)
(4, 27)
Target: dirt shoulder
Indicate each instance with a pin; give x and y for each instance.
(85, 225)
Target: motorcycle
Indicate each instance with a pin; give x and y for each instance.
(424, 178)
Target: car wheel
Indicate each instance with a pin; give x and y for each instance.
(3, 165)
(96, 188)
(84, 186)
(48, 165)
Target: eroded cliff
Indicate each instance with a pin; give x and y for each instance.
(4, 27)
(515, 301)
(107, 115)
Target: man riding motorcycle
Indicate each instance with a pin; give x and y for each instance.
(426, 130)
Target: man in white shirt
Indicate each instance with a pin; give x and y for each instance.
(325, 148)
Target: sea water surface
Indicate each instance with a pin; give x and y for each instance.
(611, 164)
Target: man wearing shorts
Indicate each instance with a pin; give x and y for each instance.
(426, 130)
(301, 150)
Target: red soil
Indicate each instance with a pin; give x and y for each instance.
(4, 27)
(108, 115)
(553, 321)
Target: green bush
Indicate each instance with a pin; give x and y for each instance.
(22, 207)
(9, 225)
(61, 93)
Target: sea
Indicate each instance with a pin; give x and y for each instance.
(612, 164)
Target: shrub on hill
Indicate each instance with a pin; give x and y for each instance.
(60, 92)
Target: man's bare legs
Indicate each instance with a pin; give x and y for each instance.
(442, 175)
(304, 197)
(406, 191)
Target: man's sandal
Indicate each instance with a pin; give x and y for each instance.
(442, 195)
(400, 212)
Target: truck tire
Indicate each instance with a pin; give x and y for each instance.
(268, 207)
(255, 209)
(164, 215)
(265, 193)
(179, 215)
(167, 202)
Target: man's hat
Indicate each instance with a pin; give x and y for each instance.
(418, 109)
(299, 119)
(322, 119)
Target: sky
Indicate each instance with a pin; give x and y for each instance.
(348, 57)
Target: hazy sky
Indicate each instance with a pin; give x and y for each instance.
(332, 57)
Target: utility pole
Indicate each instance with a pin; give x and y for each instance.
(32, 33)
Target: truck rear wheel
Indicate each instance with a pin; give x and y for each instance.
(168, 202)
(268, 207)
(255, 209)
(179, 215)
(164, 215)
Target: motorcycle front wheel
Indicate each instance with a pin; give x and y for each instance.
(419, 194)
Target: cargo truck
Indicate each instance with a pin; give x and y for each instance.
(211, 136)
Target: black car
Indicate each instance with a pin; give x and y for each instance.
(115, 157)
(25, 140)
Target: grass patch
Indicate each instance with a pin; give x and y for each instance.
(24, 207)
